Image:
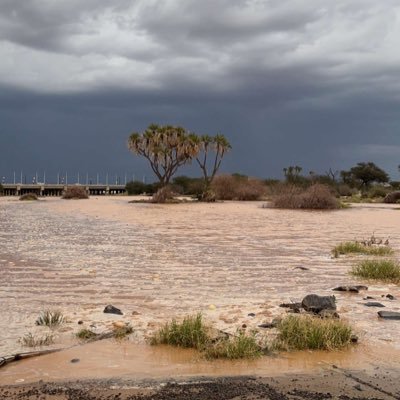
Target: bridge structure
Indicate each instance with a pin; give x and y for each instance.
(45, 190)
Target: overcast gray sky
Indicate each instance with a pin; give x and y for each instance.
(308, 82)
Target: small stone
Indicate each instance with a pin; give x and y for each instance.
(373, 304)
(353, 289)
(369, 298)
(244, 326)
(119, 324)
(80, 322)
(358, 387)
(75, 360)
(390, 297)
(112, 310)
(302, 268)
(251, 314)
(389, 315)
(135, 313)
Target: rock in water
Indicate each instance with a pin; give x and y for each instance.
(373, 304)
(354, 289)
(389, 315)
(316, 304)
(112, 310)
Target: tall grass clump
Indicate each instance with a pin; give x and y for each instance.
(359, 248)
(240, 346)
(384, 270)
(50, 318)
(191, 332)
(86, 334)
(75, 192)
(315, 197)
(306, 332)
(29, 340)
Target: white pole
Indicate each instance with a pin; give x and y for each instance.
(97, 179)
(87, 178)
(44, 177)
(14, 177)
(78, 178)
(107, 179)
(66, 178)
(21, 177)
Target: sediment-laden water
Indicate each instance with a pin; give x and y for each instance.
(225, 260)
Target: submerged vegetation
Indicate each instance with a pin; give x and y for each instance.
(306, 332)
(50, 318)
(384, 270)
(29, 340)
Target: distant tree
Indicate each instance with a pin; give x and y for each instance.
(1, 189)
(364, 174)
(135, 187)
(165, 147)
(211, 151)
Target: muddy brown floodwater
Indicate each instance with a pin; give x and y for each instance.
(225, 260)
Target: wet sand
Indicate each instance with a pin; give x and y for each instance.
(225, 260)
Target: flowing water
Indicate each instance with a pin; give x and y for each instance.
(225, 260)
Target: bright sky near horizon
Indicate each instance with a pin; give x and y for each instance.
(307, 82)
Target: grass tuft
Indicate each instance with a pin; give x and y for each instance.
(122, 332)
(384, 270)
(29, 340)
(50, 318)
(241, 346)
(191, 332)
(359, 248)
(29, 197)
(310, 333)
(85, 334)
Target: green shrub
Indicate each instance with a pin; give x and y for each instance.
(191, 332)
(50, 318)
(307, 332)
(75, 192)
(384, 270)
(29, 340)
(28, 197)
(359, 248)
(240, 346)
(377, 191)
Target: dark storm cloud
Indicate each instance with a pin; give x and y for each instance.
(308, 82)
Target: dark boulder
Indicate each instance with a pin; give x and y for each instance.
(112, 310)
(389, 315)
(314, 303)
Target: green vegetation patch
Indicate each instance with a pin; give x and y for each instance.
(29, 340)
(359, 248)
(191, 332)
(122, 332)
(237, 347)
(385, 270)
(50, 318)
(306, 332)
(85, 334)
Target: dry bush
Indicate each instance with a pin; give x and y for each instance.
(75, 192)
(393, 197)
(227, 187)
(315, 197)
(29, 197)
(164, 195)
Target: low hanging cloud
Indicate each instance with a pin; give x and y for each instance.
(287, 72)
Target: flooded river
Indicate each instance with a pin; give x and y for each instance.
(225, 260)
